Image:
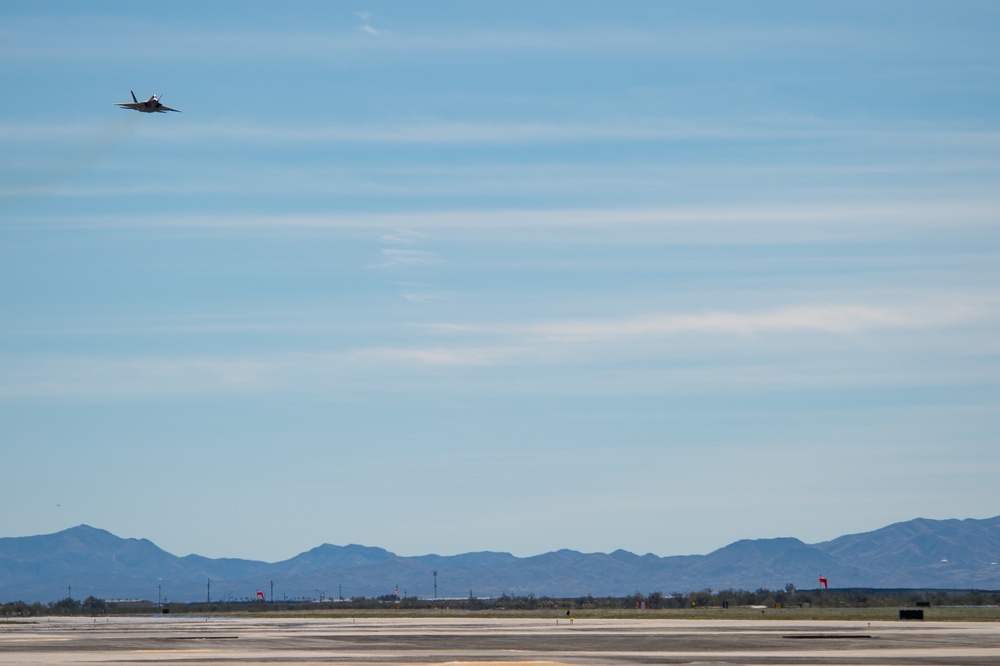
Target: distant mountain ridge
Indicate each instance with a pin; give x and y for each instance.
(83, 561)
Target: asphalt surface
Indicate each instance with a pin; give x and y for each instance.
(193, 641)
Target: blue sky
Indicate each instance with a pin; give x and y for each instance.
(455, 276)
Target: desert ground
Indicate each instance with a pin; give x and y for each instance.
(460, 641)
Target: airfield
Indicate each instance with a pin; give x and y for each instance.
(466, 641)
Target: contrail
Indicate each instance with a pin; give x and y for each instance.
(71, 159)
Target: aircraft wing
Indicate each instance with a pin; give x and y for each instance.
(161, 109)
(128, 105)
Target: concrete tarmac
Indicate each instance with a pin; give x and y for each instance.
(467, 641)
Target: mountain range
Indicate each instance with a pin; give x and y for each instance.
(84, 561)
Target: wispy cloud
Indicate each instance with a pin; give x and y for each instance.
(565, 342)
(445, 132)
(423, 293)
(142, 376)
(366, 23)
(755, 222)
(436, 356)
(403, 236)
(408, 258)
(834, 319)
(823, 319)
(70, 376)
(457, 131)
(98, 36)
(426, 295)
(556, 180)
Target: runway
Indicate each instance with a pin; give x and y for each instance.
(451, 641)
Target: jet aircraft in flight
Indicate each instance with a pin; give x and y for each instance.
(151, 105)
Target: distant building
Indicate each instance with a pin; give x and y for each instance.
(129, 603)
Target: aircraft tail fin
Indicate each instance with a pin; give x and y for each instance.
(133, 97)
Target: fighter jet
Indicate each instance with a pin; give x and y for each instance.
(151, 105)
